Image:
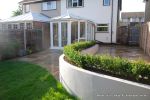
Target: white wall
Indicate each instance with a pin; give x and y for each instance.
(95, 11)
(92, 86)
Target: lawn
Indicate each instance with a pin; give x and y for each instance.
(25, 81)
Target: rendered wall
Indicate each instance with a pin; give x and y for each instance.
(95, 11)
(92, 86)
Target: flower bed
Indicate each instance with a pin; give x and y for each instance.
(119, 67)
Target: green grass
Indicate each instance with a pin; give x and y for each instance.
(25, 81)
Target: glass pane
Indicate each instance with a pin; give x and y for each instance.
(89, 29)
(55, 34)
(74, 32)
(64, 34)
(69, 3)
(80, 2)
(82, 29)
(106, 2)
(21, 25)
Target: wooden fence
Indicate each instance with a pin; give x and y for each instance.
(128, 35)
(145, 38)
(13, 42)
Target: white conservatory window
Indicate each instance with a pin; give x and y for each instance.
(9, 26)
(29, 25)
(21, 25)
(15, 26)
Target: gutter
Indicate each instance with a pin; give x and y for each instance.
(112, 19)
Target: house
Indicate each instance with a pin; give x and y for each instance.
(147, 11)
(128, 18)
(78, 20)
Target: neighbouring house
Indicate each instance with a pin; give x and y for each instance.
(128, 18)
(147, 11)
(77, 20)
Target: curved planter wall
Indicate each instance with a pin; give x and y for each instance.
(92, 86)
(92, 50)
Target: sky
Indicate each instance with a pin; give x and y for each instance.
(7, 6)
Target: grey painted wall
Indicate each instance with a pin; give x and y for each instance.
(37, 7)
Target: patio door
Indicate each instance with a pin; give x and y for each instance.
(59, 35)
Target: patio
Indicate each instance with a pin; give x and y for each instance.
(129, 52)
(47, 59)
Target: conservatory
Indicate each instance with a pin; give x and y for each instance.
(68, 29)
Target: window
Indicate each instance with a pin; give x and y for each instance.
(4, 26)
(74, 32)
(102, 28)
(64, 33)
(55, 35)
(15, 26)
(106, 2)
(27, 8)
(29, 26)
(9, 26)
(75, 3)
(82, 29)
(21, 25)
(51, 5)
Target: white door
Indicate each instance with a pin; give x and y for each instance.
(59, 35)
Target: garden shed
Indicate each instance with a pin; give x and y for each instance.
(68, 28)
(30, 29)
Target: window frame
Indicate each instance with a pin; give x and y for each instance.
(10, 27)
(15, 26)
(104, 3)
(98, 26)
(77, 1)
(29, 28)
(26, 8)
(47, 6)
(22, 26)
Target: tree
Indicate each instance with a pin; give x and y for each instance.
(17, 12)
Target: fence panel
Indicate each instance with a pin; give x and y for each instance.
(12, 42)
(145, 38)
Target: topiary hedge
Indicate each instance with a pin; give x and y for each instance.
(132, 70)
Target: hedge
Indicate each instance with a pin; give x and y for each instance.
(137, 70)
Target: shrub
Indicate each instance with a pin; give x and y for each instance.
(136, 70)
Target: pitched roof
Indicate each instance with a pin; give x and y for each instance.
(33, 1)
(28, 17)
(125, 15)
(69, 16)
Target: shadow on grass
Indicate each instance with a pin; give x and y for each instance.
(25, 81)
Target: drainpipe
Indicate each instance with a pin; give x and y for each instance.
(112, 8)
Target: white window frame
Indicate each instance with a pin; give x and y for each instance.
(50, 5)
(98, 26)
(22, 27)
(29, 27)
(15, 28)
(27, 8)
(74, 1)
(10, 26)
(105, 3)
